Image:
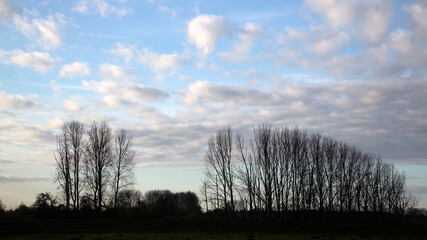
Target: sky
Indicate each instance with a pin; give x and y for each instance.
(173, 72)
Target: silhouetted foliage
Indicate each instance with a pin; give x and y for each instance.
(45, 201)
(161, 203)
(128, 198)
(2, 208)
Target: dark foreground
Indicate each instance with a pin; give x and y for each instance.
(82, 229)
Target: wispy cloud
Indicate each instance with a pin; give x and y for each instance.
(23, 179)
(38, 61)
(101, 7)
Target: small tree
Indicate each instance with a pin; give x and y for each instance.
(45, 201)
(2, 208)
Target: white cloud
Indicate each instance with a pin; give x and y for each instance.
(172, 11)
(372, 18)
(7, 10)
(125, 52)
(205, 30)
(21, 179)
(113, 72)
(356, 112)
(117, 81)
(128, 90)
(337, 12)
(29, 136)
(329, 43)
(295, 34)
(111, 101)
(247, 35)
(56, 88)
(72, 106)
(74, 69)
(100, 7)
(400, 41)
(375, 22)
(44, 32)
(202, 91)
(39, 61)
(8, 101)
(419, 16)
(161, 62)
(158, 63)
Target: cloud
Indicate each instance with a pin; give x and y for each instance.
(375, 21)
(23, 179)
(205, 30)
(337, 12)
(157, 62)
(329, 43)
(247, 36)
(44, 32)
(125, 52)
(72, 106)
(17, 134)
(418, 12)
(117, 81)
(7, 10)
(38, 61)
(203, 91)
(5, 113)
(366, 47)
(419, 190)
(365, 114)
(74, 69)
(371, 18)
(172, 11)
(8, 101)
(101, 7)
(128, 90)
(113, 72)
(161, 62)
(3, 161)
(111, 101)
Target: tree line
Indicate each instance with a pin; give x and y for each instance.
(131, 203)
(283, 172)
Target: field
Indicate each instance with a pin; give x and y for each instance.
(129, 229)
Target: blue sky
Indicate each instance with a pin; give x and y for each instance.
(173, 72)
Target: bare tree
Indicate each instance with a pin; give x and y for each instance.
(286, 169)
(63, 164)
(318, 168)
(204, 190)
(246, 173)
(75, 131)
(98, 161)
(123, 163)
(218, 159)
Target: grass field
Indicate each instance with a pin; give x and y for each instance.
(200, 236)
(130, 229)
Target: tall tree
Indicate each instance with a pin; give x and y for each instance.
(219, 165)
(63, 164)
(75, 131)
(98, 161)
(123, 163)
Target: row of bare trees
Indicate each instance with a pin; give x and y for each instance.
(283, 170)
(93, 160)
